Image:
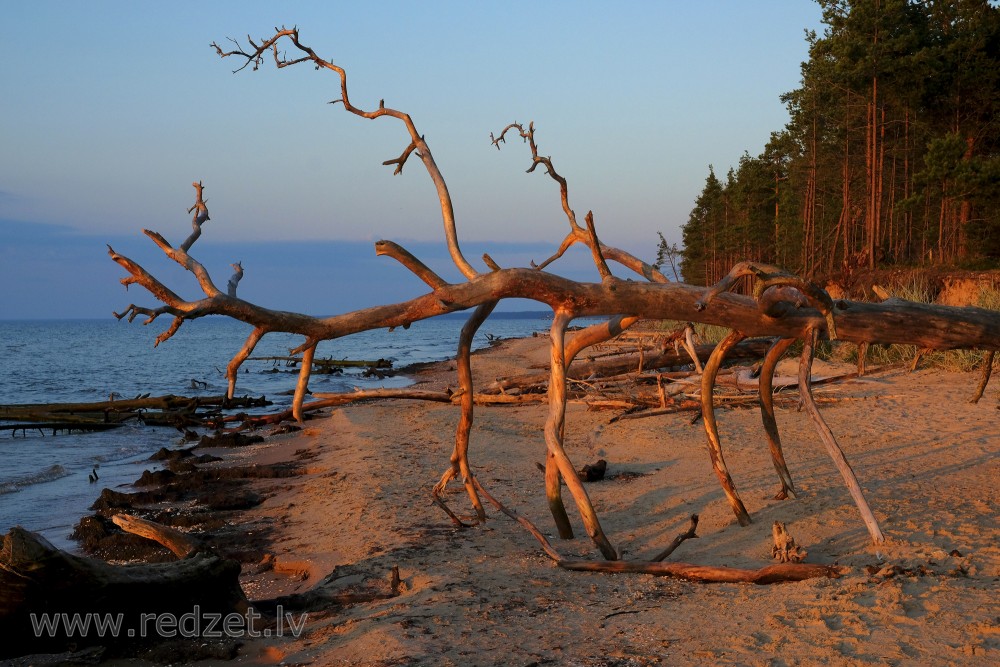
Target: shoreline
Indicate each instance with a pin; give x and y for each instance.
(488, 595)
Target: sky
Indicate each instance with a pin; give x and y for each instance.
(111, 109)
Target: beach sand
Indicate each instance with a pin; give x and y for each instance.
(487, 595)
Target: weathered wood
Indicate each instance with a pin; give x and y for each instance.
(767, 415)
(331, 399)
(55, 427)
(302, 385)
(712, 429)
(930, 326)
(554, 428)
(771, 574)
(985, 377)
(119, 410)
(692, 349)
(181, 544)
(782, 306)
(688, 534)
(785, 550)
(862, 357)
(525, 523)
(607, 368)
(830, 443)
(459, 463)
(330, 362)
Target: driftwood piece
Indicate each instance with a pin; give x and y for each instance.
(181, 544)
(525, 522)
(594, 472)
(862, 358)
(785, 550)
(692, 349)
(557, 463)
(918, 357)
(114, 410)
(690, 533)
(770, 574)
(330, 362)
(37, 578)
(56, 427)
(459, 462)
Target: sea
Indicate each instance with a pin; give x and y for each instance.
(45, 479)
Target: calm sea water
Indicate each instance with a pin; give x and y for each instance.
(44, 482)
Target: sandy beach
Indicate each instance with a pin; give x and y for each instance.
(487, 595)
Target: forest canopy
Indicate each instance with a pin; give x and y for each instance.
(890, 156)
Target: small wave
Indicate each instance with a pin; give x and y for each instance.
(121, 454)
(47, 475)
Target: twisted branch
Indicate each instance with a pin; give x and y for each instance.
(254, 56)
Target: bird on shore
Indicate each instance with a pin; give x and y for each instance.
(93, 475)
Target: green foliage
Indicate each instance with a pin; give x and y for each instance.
(891, 155)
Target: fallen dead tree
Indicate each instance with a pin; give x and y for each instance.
(782, 306)
(169, 410)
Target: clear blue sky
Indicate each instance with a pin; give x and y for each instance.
(111, 109)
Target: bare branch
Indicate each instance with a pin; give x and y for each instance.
(595, 248)
(404, 257)
(577, 234)
(401, 160)
(200, 217)
(188, 262)
(234, 281)
(529, 138)
(417, 143)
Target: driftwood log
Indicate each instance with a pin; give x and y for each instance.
(169, 410)
(782, 306)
